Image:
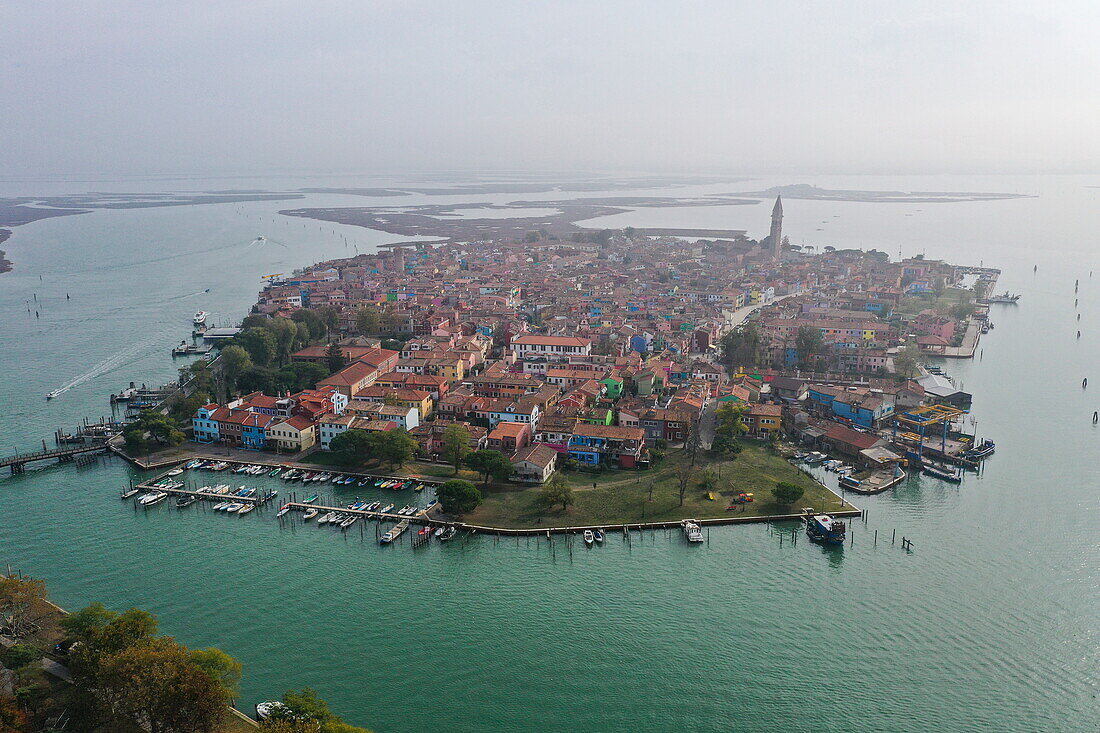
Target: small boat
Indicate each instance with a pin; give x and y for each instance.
(326, 518)
(439, 532)
(310, 500)
(823, 528)
(815, 457)
(246, 508)
(219, 506)
(200, 318)
(182, 502)
(265, 710)
(154, 498)
(352, 519)
(233, 508)
(174, 472)
(386, 509)
(418, 487)
(282, 511)
(275, 472)
(394, 532)
(850, 483)
(310, 514)
(691, 530)
(55, 393)
(130, 493)
(597, 534)
(363, 482)
(372, 507)
(337, 479)
(378, 482)
(1005, 297)
(448, 534)
(589, 538)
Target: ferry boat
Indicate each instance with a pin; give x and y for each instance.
(823, 528)
(1005, 297)
(200, 318)
(692, 531)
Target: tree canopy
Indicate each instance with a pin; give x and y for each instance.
(458, 496)
(786, 493)
(556, 490)
(456, 444)
(490, 464)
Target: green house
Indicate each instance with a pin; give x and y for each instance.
(613, 387)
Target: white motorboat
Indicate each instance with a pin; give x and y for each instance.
(200, 318)
(692, 531)
(155, 497)
(589, 538)
(310, 514)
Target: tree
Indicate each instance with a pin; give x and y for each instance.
(256, 379)
(685, 472)
(24, 611)
(158, 686)
(255, 320)
(531, 237)
(786, 493)
(135, 440)
(335, 358)
(808, 343)
(730, 426)
(306, 712)
(368, 321)
(287, 337)
(394, 447)
(232, 361)
(299, 375)
(490, 464)
(458, 496)
(906, 360)
(260, 344)
(741, 347)
(222, 668)
(557, 490)
(352, 447)
(310, 327)
(456, 444)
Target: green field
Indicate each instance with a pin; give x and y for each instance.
(623, 497)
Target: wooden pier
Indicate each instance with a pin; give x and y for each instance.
(18, 462)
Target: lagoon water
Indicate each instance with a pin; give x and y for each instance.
(991, 623)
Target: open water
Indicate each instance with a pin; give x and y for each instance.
(991, 623)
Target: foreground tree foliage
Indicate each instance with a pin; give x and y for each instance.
(458, 496)
(456, 445)
(125, 674)
(306, 712)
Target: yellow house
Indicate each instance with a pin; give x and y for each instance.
(294, 434)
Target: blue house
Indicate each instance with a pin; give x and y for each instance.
(204, 425)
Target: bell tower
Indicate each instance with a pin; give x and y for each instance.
(777, 230)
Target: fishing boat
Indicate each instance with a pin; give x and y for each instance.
(154, 498)
(130, 493)
(282, 511)
(597, 534)
(182, 502)
(200, 318)
(691, 530)
(824, 529)
(310, 514)
(589, 538)
(1005, 297)
(394, 532)
(246, 508)
(943, 473)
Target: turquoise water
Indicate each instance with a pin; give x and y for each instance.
(991, 623)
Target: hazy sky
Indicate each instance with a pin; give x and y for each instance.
(375, 85)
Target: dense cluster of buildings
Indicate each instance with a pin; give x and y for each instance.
(595, 351)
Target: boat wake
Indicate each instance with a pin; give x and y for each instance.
(109, 364)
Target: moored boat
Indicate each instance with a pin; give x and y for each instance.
(155, 497)
(448, 533)
(691, 530)
(310, 514)
(825, 529)
(589, 538)
(597, 534)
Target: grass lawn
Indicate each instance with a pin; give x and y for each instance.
(622, 497)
